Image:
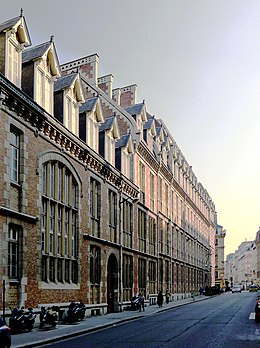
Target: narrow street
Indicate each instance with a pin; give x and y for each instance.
(223, 321)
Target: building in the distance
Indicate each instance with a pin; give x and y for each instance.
(97, 200)
(219, 255)
(240, 266)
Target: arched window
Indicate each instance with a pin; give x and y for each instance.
(59, 224)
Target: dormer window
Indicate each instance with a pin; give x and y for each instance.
(126, 162)
(44, 90)
(108, 133)
(68, 96)
(14, 63)
(92, 132)
(71, 114)
(110, 148)
(14, 37)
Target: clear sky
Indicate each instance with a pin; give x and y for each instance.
(197, 65)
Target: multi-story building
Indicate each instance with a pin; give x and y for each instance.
(240, 267)
(98, 201)
(219, 254)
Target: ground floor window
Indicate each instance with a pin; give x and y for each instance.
(127, 277)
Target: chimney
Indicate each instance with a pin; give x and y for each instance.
(116, 93)
(87, 67)
(105, 84)
(128, 95)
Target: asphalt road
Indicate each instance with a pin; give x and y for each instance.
(224, 321)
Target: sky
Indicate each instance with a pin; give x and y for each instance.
(197, 65)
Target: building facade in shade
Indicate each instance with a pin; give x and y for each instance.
(219, 255)
(98, 202)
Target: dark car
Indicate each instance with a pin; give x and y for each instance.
(5, 335)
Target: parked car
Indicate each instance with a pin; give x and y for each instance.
(253, 288)
(235, 288)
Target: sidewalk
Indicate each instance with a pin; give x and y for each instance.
(40, 337)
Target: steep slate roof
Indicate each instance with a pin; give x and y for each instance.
(23, 32)
(64, 81)
(108, 124)
(10, 23)
(135, 109)
(35, 52)
(89, 105)
(123, 141)
(148, 124)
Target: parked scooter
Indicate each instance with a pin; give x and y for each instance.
(22, 320)
(76, 311)
(5, 335)
(135, 303)
(257, 309)
(49, 316)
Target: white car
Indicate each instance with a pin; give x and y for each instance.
(236, 288)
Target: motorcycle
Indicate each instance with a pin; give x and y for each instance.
(5, 335)
(257, 309)
(76, 312)
(135, 303)
(49, 316)
(22, 320)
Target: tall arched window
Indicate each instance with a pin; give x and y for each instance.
(59, 224)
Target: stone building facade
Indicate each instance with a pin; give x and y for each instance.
(98, 201)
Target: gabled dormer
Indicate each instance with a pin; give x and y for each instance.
(108, 134)
(165, 146)
(90, 116)
(40, 70)
(14, 36)
(68, 96)
(149, 132)
(124, 150)
(138, 111)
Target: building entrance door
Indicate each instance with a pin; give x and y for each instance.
(112, 284)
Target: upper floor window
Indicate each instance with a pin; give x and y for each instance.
(110, 149)
(151, 191)
(142, 230)
(112, 211)
(127, 224)
(44, 90)
(92, 133)
(95, 206)
(71, 115)
(126, 163)
(13, 64)
(142, 182)
(15, 155)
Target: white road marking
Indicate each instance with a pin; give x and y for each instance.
(252, 316)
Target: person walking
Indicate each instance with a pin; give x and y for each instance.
(167, 296)
(141, 302)
(160, 299)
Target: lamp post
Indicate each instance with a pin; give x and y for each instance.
(4, 289)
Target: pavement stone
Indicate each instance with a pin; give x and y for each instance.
(37, 337)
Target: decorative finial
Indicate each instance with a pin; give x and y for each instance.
(51, 38)
(21, 13)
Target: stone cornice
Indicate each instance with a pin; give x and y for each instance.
(17, 101)
(148, 157)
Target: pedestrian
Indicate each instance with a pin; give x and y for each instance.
(167, 296)
(141, 302)
(160, 299)
(201, 291)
